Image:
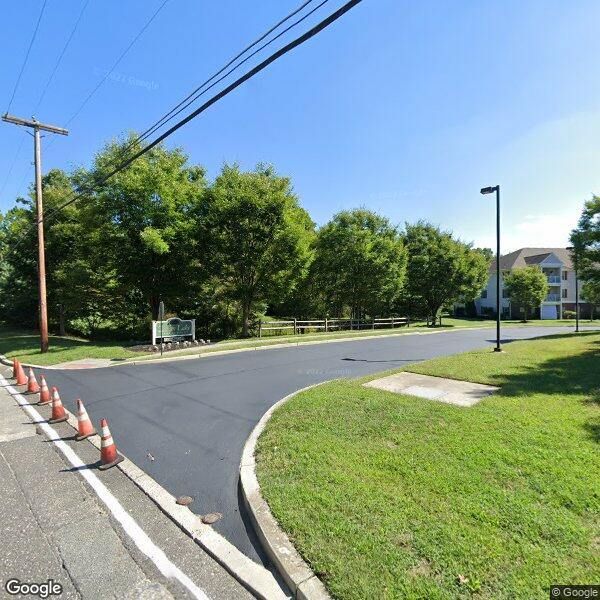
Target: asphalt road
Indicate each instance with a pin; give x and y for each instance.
(193, 416)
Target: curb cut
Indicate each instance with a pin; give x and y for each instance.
(297, 574)
(254, 577)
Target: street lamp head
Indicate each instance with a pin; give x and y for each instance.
(489, 190)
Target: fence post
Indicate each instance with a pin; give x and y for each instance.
(295, 328)
(260, 328)
(350, 323)
(373, 324)
(392, 322)
(408, 321)
(326, 324)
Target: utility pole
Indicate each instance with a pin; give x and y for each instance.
(39, 207)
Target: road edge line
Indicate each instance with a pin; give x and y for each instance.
(130, 526)
(296, 572)
(254, 577)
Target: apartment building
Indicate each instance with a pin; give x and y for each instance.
(556, 265)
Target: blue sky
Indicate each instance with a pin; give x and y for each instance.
(407, 108)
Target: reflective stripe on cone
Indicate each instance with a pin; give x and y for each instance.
(109, 457)
(44, 392)
(85, 428)
(32, 384)
(58, 410)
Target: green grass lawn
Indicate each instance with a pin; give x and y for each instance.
(448, 324)
(390, 496)
(25, 345)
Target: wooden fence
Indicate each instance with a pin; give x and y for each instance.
(297, 326)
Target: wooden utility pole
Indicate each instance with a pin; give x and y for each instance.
(39, 206)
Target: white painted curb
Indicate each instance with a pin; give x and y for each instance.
(297, 574)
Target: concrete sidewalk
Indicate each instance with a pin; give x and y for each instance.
(54, 526)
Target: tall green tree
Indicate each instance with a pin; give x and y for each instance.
(585, 240)
(527, 287)
(360, 263)
(442, 270)
(140, 225)
(257, 237)
(590, 292)
(20, 255)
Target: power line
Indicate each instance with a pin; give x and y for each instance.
(109, 72)
(171, 114)
(35, 31)
(168, 116)
(60, 56)
(39, 102)
(248, 75)
(12, 165)
(20, 188)
(116, 63)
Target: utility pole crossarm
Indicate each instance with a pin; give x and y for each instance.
(34, 124)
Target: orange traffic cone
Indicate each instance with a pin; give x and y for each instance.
(84, 425)
(58, 410)
(44, 393)
(32, 384)
(21, 377)
(15, 367)
(109, 457)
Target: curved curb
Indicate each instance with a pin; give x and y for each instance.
(7, 362)
(297, 574)
(254, 577)
(134, 361)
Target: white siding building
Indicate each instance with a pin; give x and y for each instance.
(556, 265)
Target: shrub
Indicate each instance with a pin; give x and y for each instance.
(488, 312)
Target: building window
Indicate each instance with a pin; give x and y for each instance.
(564, 274)
(505, 294)
(484, 294)
(564, 293)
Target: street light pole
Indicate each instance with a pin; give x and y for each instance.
(490, 190)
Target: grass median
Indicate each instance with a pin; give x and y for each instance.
(390, 496)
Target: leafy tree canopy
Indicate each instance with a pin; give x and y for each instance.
(590, 292)
(585, 240)
(527, 287)
(442, 270)
(258, 237)
(360, 263)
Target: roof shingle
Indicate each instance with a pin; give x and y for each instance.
(531, 256)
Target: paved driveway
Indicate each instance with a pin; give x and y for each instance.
(193, 416)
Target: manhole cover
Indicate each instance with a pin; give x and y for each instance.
(211, 518)
(184, 500)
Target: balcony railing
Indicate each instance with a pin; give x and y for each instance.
(552, 298)
(553, 278)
